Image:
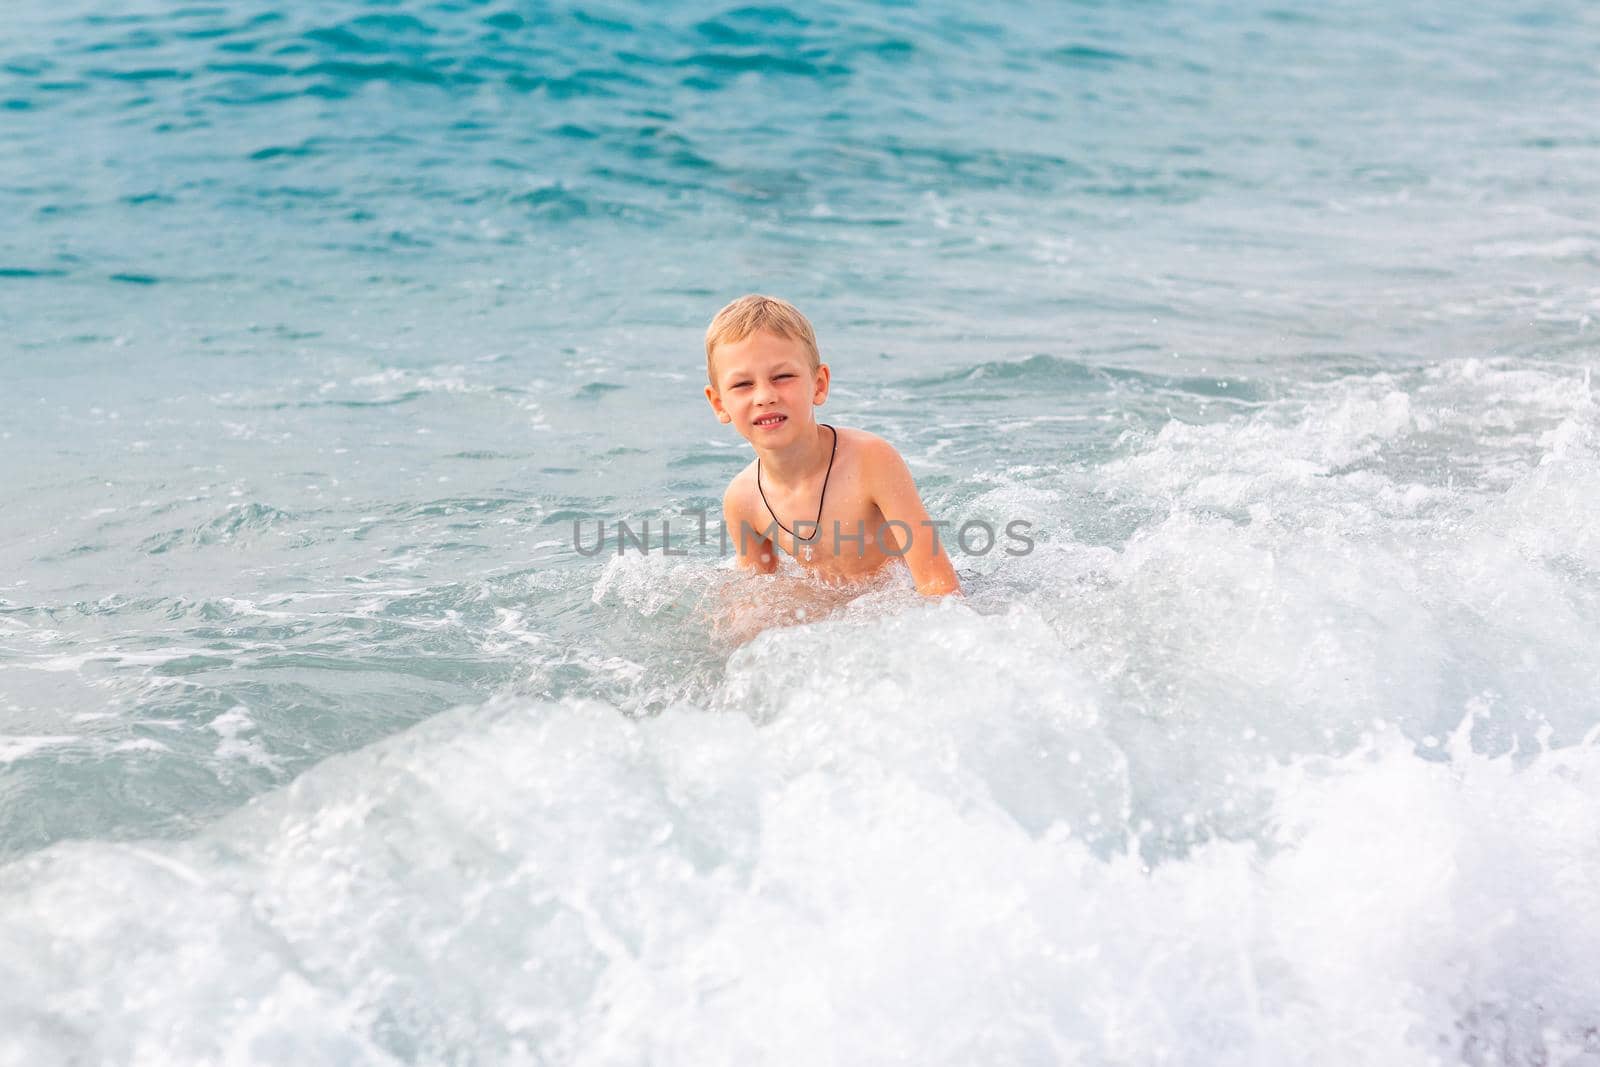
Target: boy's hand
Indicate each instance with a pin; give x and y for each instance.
(889, 481)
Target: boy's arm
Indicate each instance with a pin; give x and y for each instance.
(895, 493)
(751, 548)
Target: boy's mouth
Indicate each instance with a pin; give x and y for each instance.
(766, 422)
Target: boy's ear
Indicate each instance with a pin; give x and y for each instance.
(715, 399)
(819, 391)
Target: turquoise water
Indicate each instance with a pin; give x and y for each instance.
(322, 325)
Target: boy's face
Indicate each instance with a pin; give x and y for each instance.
(765, 387)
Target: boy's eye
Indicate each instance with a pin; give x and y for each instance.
(781, 377)
(739, 385)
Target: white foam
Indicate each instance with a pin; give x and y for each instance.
(1299, 770)
(698, 889)
(234, 726)
(14, 747)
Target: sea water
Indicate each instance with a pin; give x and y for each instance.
(322, 325)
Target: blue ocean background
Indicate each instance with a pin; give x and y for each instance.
(321, 325)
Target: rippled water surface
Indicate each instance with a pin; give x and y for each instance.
(321, 325)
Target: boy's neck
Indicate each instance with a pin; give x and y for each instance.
(795, 463)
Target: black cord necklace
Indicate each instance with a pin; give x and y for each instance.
(816, 527)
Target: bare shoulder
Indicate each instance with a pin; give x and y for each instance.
(870, 451)
(738, 500)
(869, 447)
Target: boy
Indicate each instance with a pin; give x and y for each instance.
(840, 501)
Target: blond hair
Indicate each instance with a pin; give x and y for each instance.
(753, 313)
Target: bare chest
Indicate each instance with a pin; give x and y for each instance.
(836, 531)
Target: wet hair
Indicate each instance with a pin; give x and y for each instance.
(753, 313)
